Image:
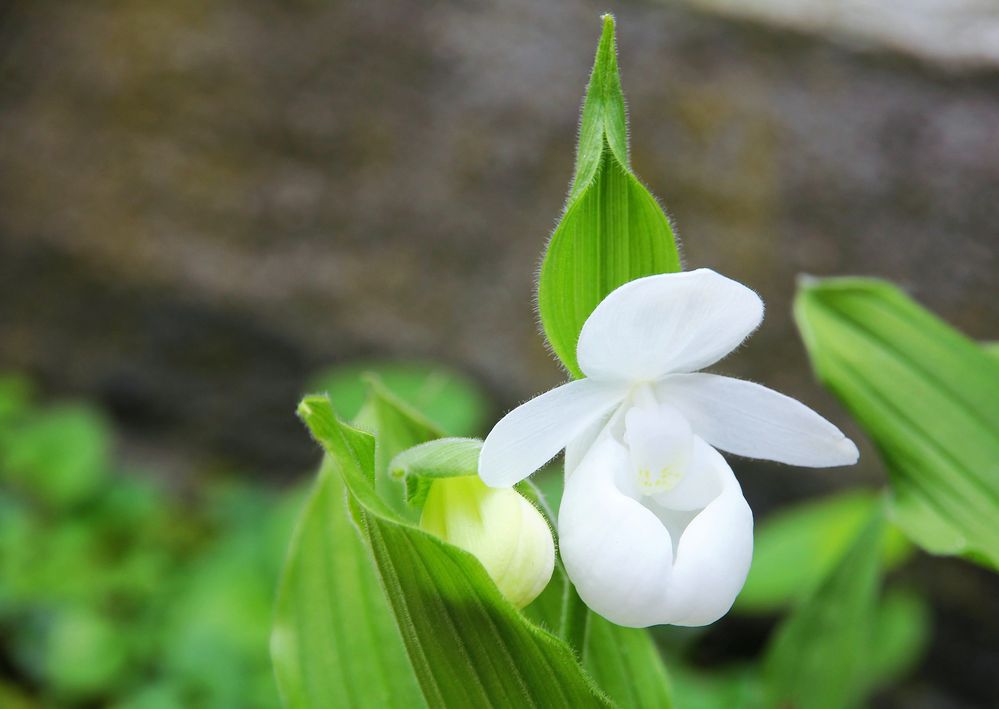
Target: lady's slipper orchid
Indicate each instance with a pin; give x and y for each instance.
(653, 526)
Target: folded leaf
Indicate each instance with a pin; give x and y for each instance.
(441, 458)
(819, 656)
(927, 396)
(468, 645)
(613, 230)
(397, 427)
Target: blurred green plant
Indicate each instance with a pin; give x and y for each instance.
(794, 548)
(118, 592)
(114, 591)
(928, 397)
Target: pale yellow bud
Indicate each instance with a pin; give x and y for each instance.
(504, 531)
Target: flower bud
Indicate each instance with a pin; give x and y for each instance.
(502, 529)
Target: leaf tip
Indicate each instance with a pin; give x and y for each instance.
(608, 28)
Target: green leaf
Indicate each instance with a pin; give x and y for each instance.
(795, 548)
(441, 458)
(927, 396)
(85, 653)
(732, 687)
(626, 663)
(901, 637)
(451, 401)
(335, 642)
(603, 124)
(613, 230)
(818, 657)
(397, 427)
(468, 645)
(61, 456)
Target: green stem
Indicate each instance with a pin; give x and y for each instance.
(575, 620)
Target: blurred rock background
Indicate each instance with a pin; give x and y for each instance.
(203, 203)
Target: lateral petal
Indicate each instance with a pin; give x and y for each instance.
(533, 433)
(751, 420)
(673, 322)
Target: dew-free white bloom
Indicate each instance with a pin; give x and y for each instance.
(653, 527)
(499, 527)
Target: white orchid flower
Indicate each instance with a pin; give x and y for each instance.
(653, 527)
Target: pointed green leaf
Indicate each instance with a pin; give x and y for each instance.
(613, 230)
(468, 645)
(795, 548)
(927, 396)
(603, 123)
(442, 458)
(819, 656)
(334, 641)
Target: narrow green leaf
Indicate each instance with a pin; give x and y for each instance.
(335, 642)
(901, 636)
(468, 645)
(927, 396)
(442, 458)
(795, 548)
(738, 687)
(626, 663)
(818, 657)
(613, 230)
(452, 401)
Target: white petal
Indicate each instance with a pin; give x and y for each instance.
(616, 551)
(713, 555)
(580, 445)
(674, 322)
(533, 433)
(748, 419)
